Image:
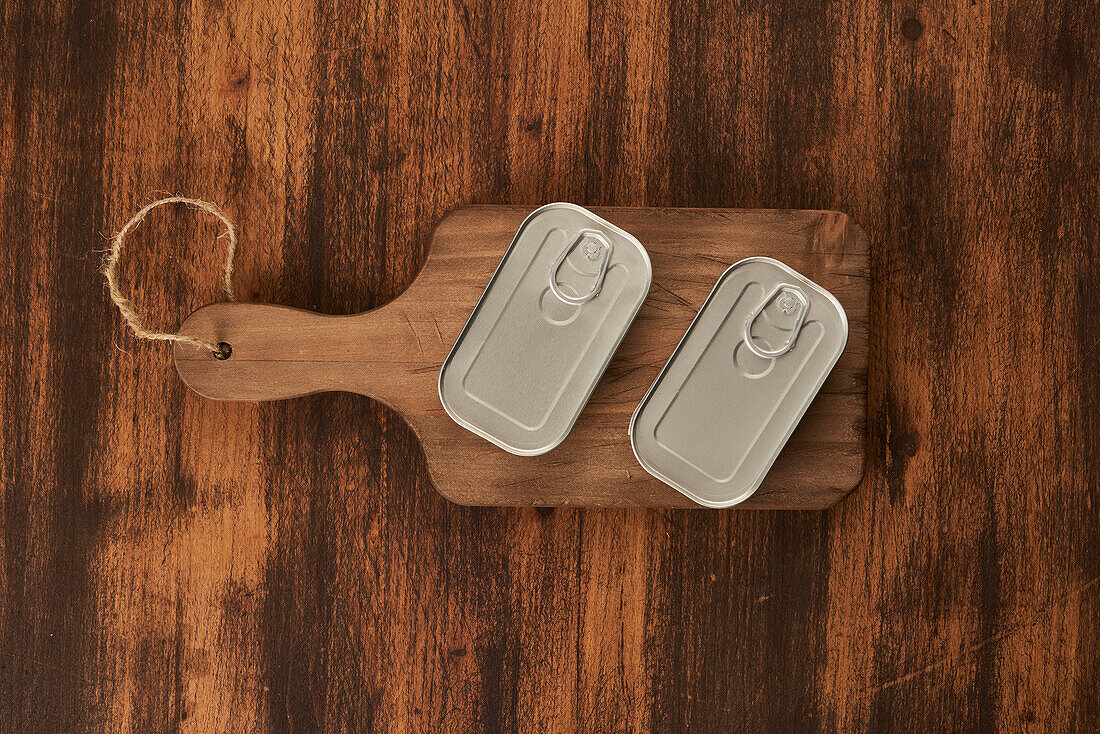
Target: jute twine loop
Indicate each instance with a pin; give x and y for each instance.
(126, 308)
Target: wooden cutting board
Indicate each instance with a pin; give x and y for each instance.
(394, 354)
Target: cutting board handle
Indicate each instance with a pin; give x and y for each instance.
(280, 352)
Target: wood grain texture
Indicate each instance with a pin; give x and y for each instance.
(170, 563)
(394, 354)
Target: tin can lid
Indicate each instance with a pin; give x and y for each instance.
(731, 394)
(545, 328)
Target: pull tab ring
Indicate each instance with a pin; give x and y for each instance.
(804, 306)
(601, 243)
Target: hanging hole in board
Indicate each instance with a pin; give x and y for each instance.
(791, 301)
(224, 351)
(594, 246)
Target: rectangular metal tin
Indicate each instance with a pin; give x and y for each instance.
(717, 416)
(525, 363)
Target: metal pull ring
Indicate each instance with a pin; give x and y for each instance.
(802, 305)
(597, 243)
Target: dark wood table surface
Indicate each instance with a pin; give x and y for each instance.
(171, 563)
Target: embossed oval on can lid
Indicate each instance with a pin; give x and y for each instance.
(731, 394)
(544, 330)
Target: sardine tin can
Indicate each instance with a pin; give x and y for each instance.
(544, 330)
(742, 377)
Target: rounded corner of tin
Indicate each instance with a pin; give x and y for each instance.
(633, 436)
(562, 205)
(630, 425)
(552, 205)
(761, 259)
(752, 259)
(538, 212)
(442, 393)
(661, 477)
(439, 383)
(566, 206)
(645, 259)
(514, 451)
(726, 504)
(542, 448)
(697, 499)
